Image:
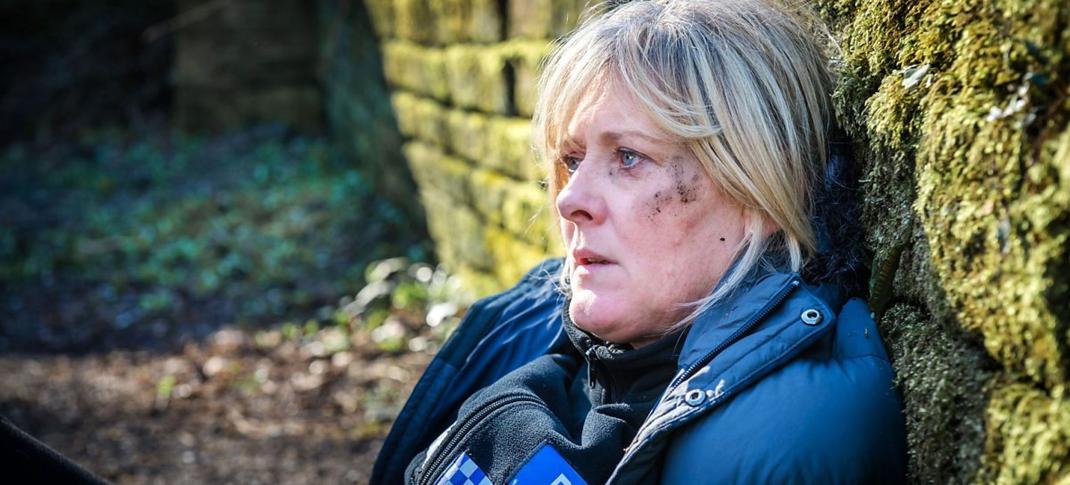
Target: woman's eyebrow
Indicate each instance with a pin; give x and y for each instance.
(615, 136)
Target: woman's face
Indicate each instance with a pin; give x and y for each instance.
(645, 228)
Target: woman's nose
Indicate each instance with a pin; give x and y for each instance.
(580, 200)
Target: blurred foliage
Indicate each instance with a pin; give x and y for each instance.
(169, 231)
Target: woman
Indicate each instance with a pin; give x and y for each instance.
(704, 331)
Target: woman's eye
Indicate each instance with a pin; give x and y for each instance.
(571, 163)
(629, 159)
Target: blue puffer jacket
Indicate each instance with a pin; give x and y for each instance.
(783, 382)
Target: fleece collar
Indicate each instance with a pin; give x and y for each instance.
(623, 373)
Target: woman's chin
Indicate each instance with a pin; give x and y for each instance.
(599, 317)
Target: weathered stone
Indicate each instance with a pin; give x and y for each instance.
(953, 107)
(525, 58)
(418, 69)
(533, 19)
(476, 78)
(484, 21)
(1028, 436)
(432, 168)
(508, 147)
(468, 134)
(382, 17)
(489, 190)
(512, 257)
(414, 21)
(521, 211)
(421, 118)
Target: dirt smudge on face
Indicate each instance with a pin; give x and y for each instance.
(688, 191)
(661, 200)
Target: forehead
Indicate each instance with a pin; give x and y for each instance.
(610, 112)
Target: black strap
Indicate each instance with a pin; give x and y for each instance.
(31, 461)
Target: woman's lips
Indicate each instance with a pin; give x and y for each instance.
(589, 260)
(587, 257)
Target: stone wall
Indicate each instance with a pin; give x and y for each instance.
(462, 76)
(960, 114)
(245, 61)
(360, 119)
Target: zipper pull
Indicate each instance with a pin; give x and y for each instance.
(592, 359)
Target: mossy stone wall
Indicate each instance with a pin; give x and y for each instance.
(959, 110)
(462, 74)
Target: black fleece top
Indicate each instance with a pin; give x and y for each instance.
(587, 400)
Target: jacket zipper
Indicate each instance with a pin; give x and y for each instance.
(777, 299)
(489, 409)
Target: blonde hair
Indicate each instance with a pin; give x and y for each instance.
(744, 83)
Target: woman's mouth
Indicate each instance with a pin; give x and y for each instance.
(588, 258)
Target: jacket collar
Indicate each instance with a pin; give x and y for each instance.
(764, 324)
(623, 372)
(752, 303)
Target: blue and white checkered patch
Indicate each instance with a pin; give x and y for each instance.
(463, 471)
(547, 467)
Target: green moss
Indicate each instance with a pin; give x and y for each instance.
(508, 146)
(382, 17)
(512, 256)
(533, 19)
(1028, 436)
(432, 168)
(943, 404)
(476, 78)
(489, 191)
(468, 134)
(412, 20)
(960, 116)
(419, 69)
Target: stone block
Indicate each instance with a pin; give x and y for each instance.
(416, 68)
(524, 58)
(405, 112)
(508, 145)
(484, 21)
(566, 15)
(433, 168)
(512, 257)
(480, 282)
(476, 78)
(420, 118)
(543, 232)
(1028, 436)
(489, 190)
(199, 109)
(451, 20)
(467, 134)
(382, 17)
(414, 21)
(532, 19)
(522, 210)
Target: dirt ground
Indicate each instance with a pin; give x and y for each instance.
(237, 408)
(236, 309)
